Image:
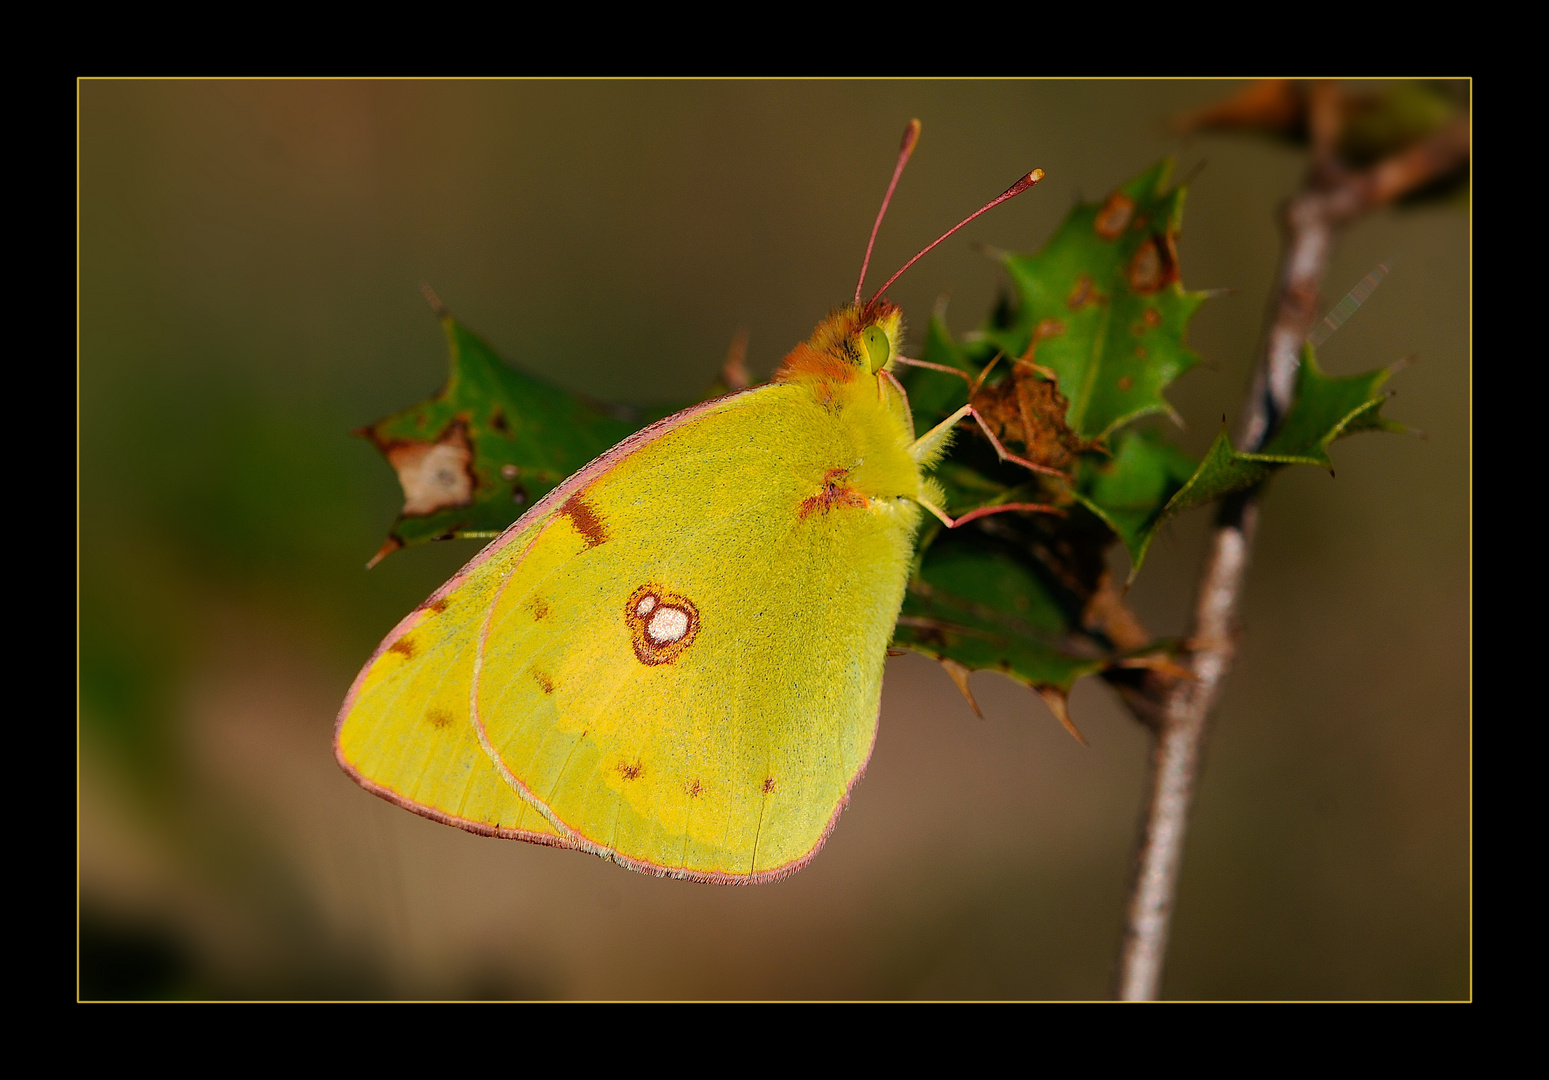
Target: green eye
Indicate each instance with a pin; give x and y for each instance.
(878, 351)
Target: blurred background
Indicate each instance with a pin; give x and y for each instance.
(250, 261)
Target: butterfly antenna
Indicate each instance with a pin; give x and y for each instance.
(911, 136)
(1010, 193)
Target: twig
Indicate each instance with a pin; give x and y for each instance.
(1331, 198)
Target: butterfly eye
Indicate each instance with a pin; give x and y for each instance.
(878, 349)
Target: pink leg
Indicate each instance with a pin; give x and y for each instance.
(1007, 455)
(986, 511)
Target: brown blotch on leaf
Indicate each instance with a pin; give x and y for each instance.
(1140, 352)
(404, 646)
(630, 771)
(662, 624)
(434, 475)
(1154, 265)
(545, 683)
(1028, 410)
(1083, 292)
(497, 421)
(439, 718)
(769, 785)
(1046, 329)
(587, 521)
(693, 788)
(1152, 317)
(833, 494)
(1113, 217)
(1125, 382)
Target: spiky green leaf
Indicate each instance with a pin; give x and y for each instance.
(1102, 305)
(1129, 490)
(980, 606)
(491, 443)
(1325, 408)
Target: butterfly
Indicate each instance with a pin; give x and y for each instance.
(675, 659)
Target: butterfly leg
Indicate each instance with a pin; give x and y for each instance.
(984, 511)
(930, 445)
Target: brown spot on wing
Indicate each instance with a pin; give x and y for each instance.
(587, 521)
(693, 788)
(405, 647)
(439, 606)
(630, 771)
(834, 493)
(545, 683)
(539, 606)
(439, 718)
(769, 785)
(656, 650)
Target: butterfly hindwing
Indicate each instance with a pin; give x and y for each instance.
(405, 730)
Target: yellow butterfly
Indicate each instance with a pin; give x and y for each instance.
(675, 659)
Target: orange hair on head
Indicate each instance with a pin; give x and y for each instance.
(831, 352)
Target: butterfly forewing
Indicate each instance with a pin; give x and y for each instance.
(683, 666)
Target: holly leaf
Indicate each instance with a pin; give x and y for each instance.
(1091, 338)
(1101, 306)
(1129, 490)
(1325, 408)
(1092, 343)
(491, 443)
(976, 605)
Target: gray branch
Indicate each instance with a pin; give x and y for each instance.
(1330, 199)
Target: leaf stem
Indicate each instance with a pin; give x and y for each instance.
(1178, 710)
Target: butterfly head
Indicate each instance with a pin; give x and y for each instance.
(852, 342)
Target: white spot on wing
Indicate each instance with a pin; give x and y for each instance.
(643, 608)
(667, 625)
